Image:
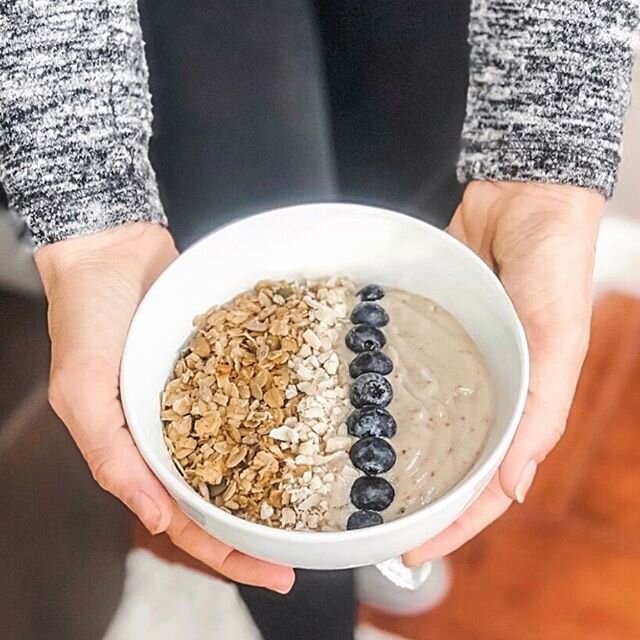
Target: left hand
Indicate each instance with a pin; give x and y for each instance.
(94, 284)
(540, 240)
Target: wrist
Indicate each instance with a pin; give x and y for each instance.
(122, 247)
(560, 194)
(533, 203)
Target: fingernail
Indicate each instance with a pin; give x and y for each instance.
(147, 510)
(285, 589)
(526, 480)
(411, 560)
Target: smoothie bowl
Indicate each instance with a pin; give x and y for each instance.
(325, 386)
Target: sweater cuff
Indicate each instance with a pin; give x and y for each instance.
(574, 165)
(75, 117)
(549, 86)
(128, 194)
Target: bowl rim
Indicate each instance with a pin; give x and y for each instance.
(180, 490)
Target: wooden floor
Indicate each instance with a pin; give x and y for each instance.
(566, 564)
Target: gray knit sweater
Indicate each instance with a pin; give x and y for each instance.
(548, 90)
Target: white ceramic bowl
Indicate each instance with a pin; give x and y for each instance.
(369, 245)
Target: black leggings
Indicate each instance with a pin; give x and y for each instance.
(264, 103)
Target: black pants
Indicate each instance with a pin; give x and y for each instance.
(264, 103)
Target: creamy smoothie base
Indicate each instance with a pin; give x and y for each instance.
(255, 415)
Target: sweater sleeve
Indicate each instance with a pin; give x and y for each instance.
(75, 117)
(548, 89)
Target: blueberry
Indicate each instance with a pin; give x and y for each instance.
(369, 313)
(364, 337)
(371, 421)
(362, 519)
(371, 388)
(370, 362)
(372, 493)
(371, 292)
(372, 455)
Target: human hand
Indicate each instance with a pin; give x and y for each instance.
(94, 285)
(540, 240)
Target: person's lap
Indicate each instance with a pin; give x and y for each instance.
(264, 104)
(239, 111)
(397, 74)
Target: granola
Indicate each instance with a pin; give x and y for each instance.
(254, 415)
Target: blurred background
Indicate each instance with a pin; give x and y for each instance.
(565, 565)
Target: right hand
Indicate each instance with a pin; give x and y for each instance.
(94, 284)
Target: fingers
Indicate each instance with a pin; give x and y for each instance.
(85, 399)
(223, 559)
(118, 468)
(491, 504)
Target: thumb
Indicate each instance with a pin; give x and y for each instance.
(554, 372)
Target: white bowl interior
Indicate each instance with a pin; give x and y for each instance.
(365, 243)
